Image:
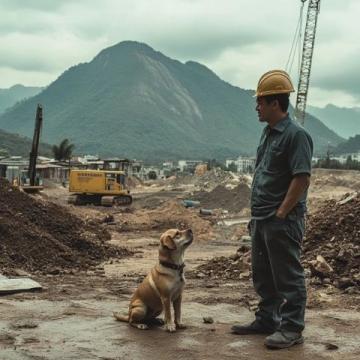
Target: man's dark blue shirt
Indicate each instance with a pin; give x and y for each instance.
(285, 151)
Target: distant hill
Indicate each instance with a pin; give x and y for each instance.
(352, 145)
(16, 93)
(344, 121)
(133, 101)
(17, 145)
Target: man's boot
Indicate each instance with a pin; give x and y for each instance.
(255, 327)
(283, 339)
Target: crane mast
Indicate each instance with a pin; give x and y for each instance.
(306, 60)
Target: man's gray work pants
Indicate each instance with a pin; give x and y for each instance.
(278, 275)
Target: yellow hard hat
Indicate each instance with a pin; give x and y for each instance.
(274, 82)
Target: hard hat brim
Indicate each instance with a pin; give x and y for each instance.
(268, 93)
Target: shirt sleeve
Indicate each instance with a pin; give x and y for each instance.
(300, 153)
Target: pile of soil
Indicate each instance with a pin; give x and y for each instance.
(232, 200)
(234, 267)
(171, 214)
(333, 233)
(36, 235)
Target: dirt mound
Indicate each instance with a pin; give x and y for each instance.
(232, 200)
(37, 235)
(333, 233)
(226, 268)
(171, 214)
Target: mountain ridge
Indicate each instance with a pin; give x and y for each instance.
(136, 102)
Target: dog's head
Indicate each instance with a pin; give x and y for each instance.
(174, 242)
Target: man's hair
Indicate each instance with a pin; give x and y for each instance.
(282, 99)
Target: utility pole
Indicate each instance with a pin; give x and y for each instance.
(306, 60)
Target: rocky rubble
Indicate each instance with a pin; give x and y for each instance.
(234, 267)
(211, 179)
(331, 247)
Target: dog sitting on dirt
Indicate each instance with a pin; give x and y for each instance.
(163, 286)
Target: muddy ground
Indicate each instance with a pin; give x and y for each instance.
(72, 317)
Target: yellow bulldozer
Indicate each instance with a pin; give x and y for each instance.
(98, 187)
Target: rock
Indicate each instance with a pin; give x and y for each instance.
(345, 282)
(108, 219)
(20, 272)
(54, 271)
(24, 324)
(320, 267)
(330, 346)
(245, 238)
(352, 290)
(208, 320)
(235, 256)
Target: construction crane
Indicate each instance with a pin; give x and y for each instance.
(306, 59)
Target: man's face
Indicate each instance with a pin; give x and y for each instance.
(265, 111)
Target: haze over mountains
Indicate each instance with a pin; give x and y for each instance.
(344, 121)
(10, 96)
(133, 101)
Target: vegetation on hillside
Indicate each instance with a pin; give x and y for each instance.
(350, 146)
(16, 145)
(134, 102)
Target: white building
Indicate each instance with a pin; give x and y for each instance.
(188, 165)
(244, 164)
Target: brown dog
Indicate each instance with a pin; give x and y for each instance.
(163, 285)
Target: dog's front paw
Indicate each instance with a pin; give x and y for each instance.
(181, 326)
(170, 327)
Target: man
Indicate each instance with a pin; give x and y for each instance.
(278, 205)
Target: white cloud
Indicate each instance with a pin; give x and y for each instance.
(238, 39)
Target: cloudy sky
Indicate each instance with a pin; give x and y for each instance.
(238, 39)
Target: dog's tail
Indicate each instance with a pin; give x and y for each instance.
(119, 317)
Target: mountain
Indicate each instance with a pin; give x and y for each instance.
(344, 121)
(17, 145)
(133, 101)
(352, 145)
(9, 97)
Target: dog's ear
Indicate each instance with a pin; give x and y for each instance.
(168, 241)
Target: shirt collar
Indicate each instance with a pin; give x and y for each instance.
(281, 125)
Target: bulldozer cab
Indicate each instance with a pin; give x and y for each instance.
(114, 181)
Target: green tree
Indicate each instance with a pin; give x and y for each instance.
(63, 151)
(4, 153)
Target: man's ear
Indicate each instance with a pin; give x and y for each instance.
(168, 241)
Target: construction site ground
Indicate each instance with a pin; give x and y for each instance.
(71, 318)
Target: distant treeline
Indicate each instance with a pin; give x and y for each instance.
(352, 145)
(328, 163)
